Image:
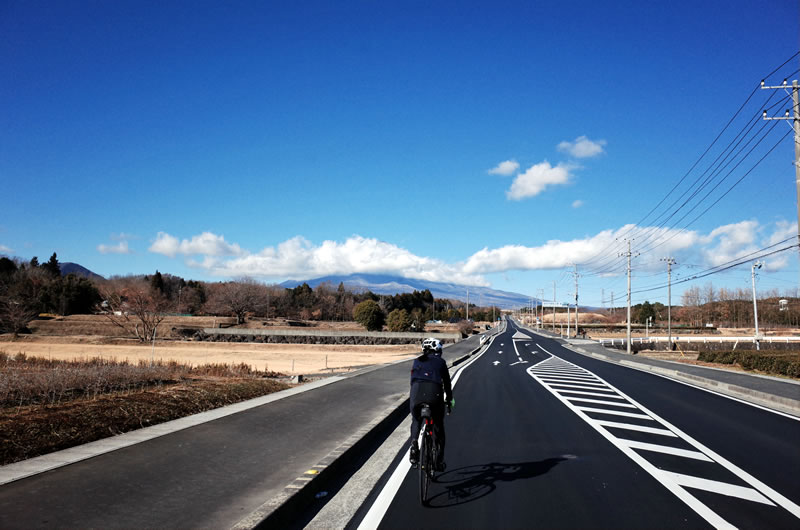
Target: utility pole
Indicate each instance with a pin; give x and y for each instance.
(756, 265)
(554, 306)
(613, 312)
(629, 255)
(467, 304)
(670, 262)
(576, 299)
(795, 117)
(541, 301)
(568, 319)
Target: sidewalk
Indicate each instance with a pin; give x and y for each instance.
(772, 392)
(215, 474)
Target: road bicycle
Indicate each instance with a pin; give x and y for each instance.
(428, 453)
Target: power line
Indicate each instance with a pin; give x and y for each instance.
(646, 234)
(597, 267)
(741, 262)
(724, 194)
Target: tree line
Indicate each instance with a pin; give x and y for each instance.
(28, 289)
(138, 303)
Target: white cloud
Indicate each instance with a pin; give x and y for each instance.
(577, 203)
(4, 249)
(506, 168)
(554, 254)
(119, 248)
(783, 230)
(582, 147)
(537, 178)
(721, 245)
(299, 258)
(729, 242)
(206, 243)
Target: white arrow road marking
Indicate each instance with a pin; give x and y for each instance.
(496, 363)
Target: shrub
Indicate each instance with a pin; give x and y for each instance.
(466, 327)
(772, 362)
(398, 320)
(370, 315)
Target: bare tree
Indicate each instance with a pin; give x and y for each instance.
(691, 300)
(238, 297)
(15, 313)
(135, 307)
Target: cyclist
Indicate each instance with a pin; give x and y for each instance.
(430, 383)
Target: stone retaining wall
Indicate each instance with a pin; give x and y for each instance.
(298, 336)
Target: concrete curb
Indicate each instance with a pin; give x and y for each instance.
(279, 511)
(782, 404)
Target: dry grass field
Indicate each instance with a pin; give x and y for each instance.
(80, 378)
(89, 336)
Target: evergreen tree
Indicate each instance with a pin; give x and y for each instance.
(157, 282)
(52, 266)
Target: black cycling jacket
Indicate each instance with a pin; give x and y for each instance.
(429, 369)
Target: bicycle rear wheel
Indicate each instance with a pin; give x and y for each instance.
(425, 467)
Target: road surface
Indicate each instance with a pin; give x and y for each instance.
(545, 437)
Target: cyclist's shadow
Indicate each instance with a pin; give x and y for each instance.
(470, 483)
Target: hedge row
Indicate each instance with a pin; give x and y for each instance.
(772, 362)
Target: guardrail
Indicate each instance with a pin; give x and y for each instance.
(705, 340)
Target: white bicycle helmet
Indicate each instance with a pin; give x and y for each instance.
(433, 345)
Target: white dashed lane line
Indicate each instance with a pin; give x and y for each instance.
(621, 420)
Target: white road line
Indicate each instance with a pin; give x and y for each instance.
(686, 453)
(710, 391)
(731, 490)
(632, 427)
(600, 402)
(570, 378)
(584, 387)
(615, 413)
(555, 371)
(701, 509)
(551, 380)
(596, 394)
(378, 510)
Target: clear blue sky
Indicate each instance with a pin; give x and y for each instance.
(296, 139)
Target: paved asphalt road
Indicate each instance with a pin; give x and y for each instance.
(545, 437)
(213, 474)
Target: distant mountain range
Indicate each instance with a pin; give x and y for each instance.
(391, 285)
(78, 270)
